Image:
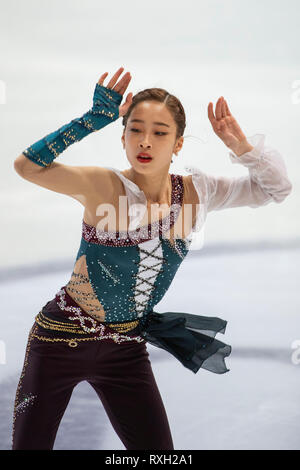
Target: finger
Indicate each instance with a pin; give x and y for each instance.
(214, 122)
(223, 108)
(114, 79)
(123, 84)
(102, 78)
(218, 111)
(129, 100)
(210, 112)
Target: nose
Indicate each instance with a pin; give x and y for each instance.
(145, 143)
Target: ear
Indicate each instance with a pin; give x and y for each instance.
(123, 140)
(179, 144)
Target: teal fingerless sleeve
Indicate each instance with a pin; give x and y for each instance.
(105, 110)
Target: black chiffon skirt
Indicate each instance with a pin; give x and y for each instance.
(190, 338)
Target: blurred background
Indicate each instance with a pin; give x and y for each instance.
(52, 55)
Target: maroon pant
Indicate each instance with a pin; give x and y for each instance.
(121, 375)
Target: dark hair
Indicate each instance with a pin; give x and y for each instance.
(162, 96)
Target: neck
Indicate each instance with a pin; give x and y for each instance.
(157, 187)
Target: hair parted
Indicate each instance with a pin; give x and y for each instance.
(160, 95)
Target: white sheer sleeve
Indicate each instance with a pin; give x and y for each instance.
(267, 180)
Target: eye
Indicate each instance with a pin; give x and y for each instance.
(133, 129)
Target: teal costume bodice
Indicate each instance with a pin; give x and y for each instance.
(131, 271)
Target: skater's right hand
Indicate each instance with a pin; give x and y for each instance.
(120, 87)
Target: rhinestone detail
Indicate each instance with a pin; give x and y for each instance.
(147, 232)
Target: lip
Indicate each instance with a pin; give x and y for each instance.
(143, 161)
(142, 154)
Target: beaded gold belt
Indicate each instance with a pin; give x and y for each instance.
(48, 323)
(117, 336)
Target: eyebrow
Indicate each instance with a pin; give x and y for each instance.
(158, 123)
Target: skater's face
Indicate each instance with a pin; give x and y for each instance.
(151, 129)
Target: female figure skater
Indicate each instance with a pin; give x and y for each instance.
(97, 325)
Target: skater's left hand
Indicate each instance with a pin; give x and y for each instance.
(227, 128)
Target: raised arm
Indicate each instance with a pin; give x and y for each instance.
(36, 163)
(267, 180)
